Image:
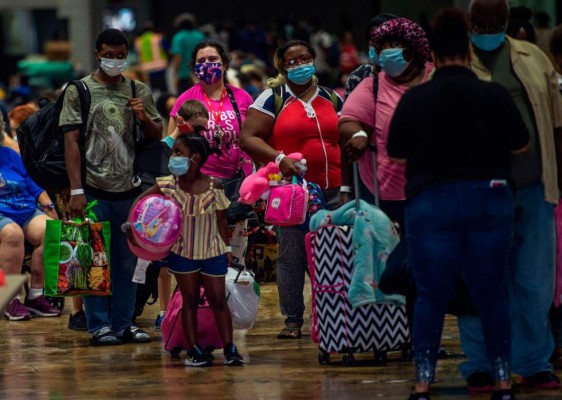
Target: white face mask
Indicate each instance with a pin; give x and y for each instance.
(113, 67)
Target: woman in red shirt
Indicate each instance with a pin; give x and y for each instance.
(306, 122)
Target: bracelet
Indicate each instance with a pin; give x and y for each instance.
(229, 249)
(345, 189)
(75, 192)
(49, 206)
(360, 134)
(278, 159)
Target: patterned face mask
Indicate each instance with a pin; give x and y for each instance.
(209, 72)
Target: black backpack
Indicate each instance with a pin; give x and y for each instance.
(41, 141)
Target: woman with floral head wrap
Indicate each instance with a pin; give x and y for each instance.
(404, 56)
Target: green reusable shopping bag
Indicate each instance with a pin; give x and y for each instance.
(76, 257)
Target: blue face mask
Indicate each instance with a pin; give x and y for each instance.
(488, 42)
(301, 74)
(178, 165)
(392, 62)
(373, 56)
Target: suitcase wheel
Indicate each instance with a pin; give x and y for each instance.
(324, 358)
(407, 354)
(348, 360)
(380, 356)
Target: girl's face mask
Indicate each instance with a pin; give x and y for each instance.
(179, 165)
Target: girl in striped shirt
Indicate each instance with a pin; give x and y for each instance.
(201, 253)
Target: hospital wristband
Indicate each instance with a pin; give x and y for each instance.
(75, 192)
(345, 189)
(278, 159)
(229, 249)
(360, 134)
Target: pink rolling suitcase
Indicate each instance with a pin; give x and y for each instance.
(173, 336)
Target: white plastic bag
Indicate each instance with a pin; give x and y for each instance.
(242, 295)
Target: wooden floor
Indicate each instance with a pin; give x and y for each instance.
(42, 359)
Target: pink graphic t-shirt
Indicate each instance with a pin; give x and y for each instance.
(359, 106)
(225, 165)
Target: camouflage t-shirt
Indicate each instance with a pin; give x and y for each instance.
(110, 150)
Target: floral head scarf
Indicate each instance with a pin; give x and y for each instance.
(406, 31)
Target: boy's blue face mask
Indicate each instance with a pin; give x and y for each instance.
(392, 61)
(178, 165)
(487, 42)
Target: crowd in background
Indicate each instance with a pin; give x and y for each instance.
(186, 66)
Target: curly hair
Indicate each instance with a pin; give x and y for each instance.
(112, 37)
(19, 113)
(404, 31)
(198, 144)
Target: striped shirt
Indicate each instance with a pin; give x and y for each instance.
(199, 238)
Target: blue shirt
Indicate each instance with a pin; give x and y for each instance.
(18, 193)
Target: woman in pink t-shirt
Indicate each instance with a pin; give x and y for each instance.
(366, 115)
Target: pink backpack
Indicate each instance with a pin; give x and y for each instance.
(173, 335)
(287, 204)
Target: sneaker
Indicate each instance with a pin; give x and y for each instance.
(78, 321)
(231, 356)
(158, 322)
(480, 382)
(104, 337)
(16, 311)
(541, 380)
(41, 307)
(197, 358)
(505, 394)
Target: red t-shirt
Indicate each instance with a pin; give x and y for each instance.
(310, 128)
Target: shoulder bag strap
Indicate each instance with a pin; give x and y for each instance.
(234, 105)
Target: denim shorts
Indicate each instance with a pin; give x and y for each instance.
(215, 266)
(5, 220)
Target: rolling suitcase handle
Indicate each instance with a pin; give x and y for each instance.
(371, 147)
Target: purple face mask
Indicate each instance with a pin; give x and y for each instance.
(209, 72)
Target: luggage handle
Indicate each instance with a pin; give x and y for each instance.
(371, 147)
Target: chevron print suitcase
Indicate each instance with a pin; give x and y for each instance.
(336, 326)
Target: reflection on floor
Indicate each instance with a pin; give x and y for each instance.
(42, 359)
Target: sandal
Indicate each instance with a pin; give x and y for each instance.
(132, 334)
(290, 333)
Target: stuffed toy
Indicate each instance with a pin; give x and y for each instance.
(256, 186)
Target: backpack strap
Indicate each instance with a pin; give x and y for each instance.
(278, 101)
(333, 96)
(375, 86)
(137, 130)
(279, 92)
(85, 102)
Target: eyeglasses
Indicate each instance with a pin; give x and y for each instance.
(293, 62)
(487, 29)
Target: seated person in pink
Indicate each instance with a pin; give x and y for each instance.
(365, 117)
